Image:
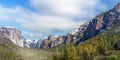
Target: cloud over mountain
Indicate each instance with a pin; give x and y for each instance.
(50, 15)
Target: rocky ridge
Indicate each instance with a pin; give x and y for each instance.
(53, 41)
(97, 25)
(13, 34)
(102, 22)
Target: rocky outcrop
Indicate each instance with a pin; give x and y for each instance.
(53, 41)
(38, 44)
(102, 22)
(33, 43)
(45, 44)
(14, 35)
(49, 42)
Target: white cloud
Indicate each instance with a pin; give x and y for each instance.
(49, 23)
(32, 35)
(66, 7)
(52, 15)
(14, 13)
(36, 22)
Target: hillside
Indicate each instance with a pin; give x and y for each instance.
(104, 46)
(7, 49)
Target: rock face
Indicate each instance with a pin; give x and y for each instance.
(53, 41)
(34, 43)
(102, 22)
(14, 35)
(95, 26)
(38, 44)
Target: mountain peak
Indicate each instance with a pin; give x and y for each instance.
(117, 8)
(7, 27)
(118, 5)
(13, 34)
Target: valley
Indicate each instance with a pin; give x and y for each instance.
(98, 39)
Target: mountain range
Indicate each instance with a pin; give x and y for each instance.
(88, 30)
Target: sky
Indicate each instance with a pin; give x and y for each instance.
(37, 19)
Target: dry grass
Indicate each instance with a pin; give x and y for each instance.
(34, 54)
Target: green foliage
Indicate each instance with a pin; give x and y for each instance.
(68, 53)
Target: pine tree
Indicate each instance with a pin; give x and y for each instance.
(73, 53)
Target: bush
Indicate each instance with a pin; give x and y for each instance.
(117, 45)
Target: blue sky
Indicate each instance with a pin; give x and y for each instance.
(37, 19)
